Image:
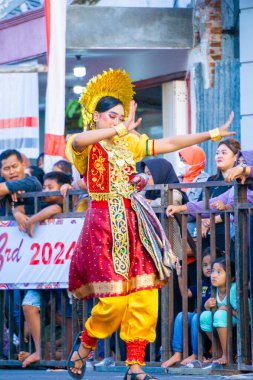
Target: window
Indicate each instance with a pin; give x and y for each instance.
(150, 109)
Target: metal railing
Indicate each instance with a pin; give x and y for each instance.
(240, 350)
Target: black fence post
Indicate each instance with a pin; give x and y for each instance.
(243, 342)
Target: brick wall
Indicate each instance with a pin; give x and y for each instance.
(207, 21)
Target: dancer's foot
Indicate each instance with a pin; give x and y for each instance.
(33, 358)
(189, 359)
(177, 357)
(135, 372)
(79, 358)
(222, 360)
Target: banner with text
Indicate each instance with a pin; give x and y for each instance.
(41, 262)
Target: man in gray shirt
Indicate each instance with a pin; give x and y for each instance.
(14, 180)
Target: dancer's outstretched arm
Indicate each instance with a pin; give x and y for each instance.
(171, 144)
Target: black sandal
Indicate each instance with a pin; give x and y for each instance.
(71, 363)
(133, 376)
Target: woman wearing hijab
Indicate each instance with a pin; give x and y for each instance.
(161, 171)
(191, 169)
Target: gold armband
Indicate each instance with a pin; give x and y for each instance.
(121, 130)
(215, 134)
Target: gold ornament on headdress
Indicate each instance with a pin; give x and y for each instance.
(115, 83)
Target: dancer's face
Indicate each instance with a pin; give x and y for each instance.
(110, 118)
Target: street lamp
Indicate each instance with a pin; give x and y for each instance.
(79, 70)
(78, 89)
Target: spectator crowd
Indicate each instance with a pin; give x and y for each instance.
(19, 177)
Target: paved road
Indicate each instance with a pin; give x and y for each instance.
(19, 374)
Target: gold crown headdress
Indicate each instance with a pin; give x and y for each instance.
(115, 83)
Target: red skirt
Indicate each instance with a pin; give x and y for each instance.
(91, 270)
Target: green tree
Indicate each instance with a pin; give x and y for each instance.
(74, 112)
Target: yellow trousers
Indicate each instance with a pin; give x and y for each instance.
(136, 316)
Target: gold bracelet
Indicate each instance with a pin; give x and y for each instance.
(121, 130)
(215, 134)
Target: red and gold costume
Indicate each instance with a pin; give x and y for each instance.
(113, 259)
(109, 258)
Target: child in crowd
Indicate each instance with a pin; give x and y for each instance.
(52, 205)
(40, 160)
(219, 318)
(35, 171)
(77, 183)
(177, 340)
(63, 166)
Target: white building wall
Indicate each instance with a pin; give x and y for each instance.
(246, 73)
(175, 113)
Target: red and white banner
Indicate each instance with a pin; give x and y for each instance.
(19, 112)
(55, 12)
(39, 262)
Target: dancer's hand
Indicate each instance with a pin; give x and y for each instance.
(224, 132)
(130, 122)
